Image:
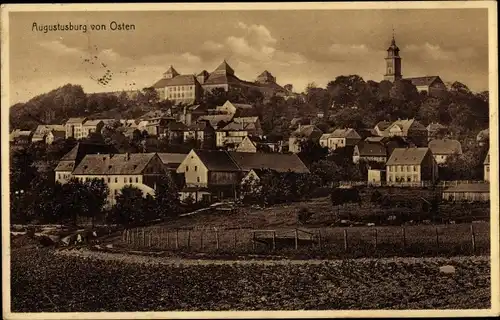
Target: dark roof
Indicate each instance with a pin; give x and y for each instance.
(483, 135)
(218, 78)
(274, 161)
(470, 187)
(224, 67)
(382, 125)
(200, 125)
(445, 146)
(83, 148)
(435, 127)
(113, 164)
(307, 131)
(261, 172)
(216, 160)
(405, 156)
(203, 73)
(216, 118)
(180, 80)
(65, 165)
(176, 126)
(172, 159)
(376, 166)
(423, 81)
(367, 149)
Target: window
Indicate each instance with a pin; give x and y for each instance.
(130, 180)
(403, 168)
(116, 192)
(136, 180)
(198, 179)
(195, 168)
(58, 176)
(187, 168)
(125, 180)
(409, 179)
(116, 180)
(109, 180)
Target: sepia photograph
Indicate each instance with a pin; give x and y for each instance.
(291, 157)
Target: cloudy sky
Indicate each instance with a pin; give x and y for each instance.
(297, 47)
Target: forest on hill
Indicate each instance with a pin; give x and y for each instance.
(347, 101)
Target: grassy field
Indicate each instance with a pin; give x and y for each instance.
(43, 281)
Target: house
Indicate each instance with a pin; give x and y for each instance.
(202, 133)
(408, 128)
(92, 126)
(486, 164)
(340, 138)
(444, 148)
(42, 130)
(140, 170)
(483, 137)
(433, 85)
(20, 137)
(247, 145)
(233, 108)
(381, 126)
(54, 135)
(179, 88)
(303, 133)
(70, 160)
(410, 166)
(376, 174)
(234, 132)
(272, 161)
(208, 175)
(374, 139)
(370, 152)
(436, 131)
(190, 114)
(174, 132)
(468, 192)
(171, 161)
(156, 114)
(217, 121)
(258, 144)
(74, 128)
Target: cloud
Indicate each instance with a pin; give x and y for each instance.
(428, 51)
(211, 46)
(59, 48)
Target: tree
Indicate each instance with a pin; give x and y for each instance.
(167, 197)
(128, 210)
(22, 169)
(403, 90)
(96, 192)
(311, 151)
(327, 170)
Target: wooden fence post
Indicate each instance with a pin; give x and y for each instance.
(201, 239)
(404, 237)
(296, 239)
(217, 239)
(150, 237)
(235, 239)
(253, 240)
(376, 239)
(189, 239)
(473, 238)
(345, 240)
(437, 237)
(143, 237)
(274, 240)
(168, 239)
(319, 238)
(176, 239)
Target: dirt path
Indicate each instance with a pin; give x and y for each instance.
(175, 261)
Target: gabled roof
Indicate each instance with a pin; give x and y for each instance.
(246, 119)
(155, 114)
(204, 73)
(65, 165)
(113, 164)
(374, 139)
(487, 158)
(176, 126)
(57, 134)
(274, 161)
(216, 118)
(172, 159)
(172, 71)
(344, 133)
(423, 81)
(180, 80)
(83, 148)
(220, 78)
(92, 122)
(216, 160)
(265, 73)
(76, 120)
(366, 149)
(242, 126)
(200, 125)
(445, 146)
(406, 156)
(307, 131)
(382, 125)
(242, 106)
(406, 124)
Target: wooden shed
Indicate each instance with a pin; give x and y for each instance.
(468, 192)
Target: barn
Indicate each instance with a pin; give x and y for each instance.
(468, 192)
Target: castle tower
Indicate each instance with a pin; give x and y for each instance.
(393, 62)
(170, 73)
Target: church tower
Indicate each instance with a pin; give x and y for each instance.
(393, 62)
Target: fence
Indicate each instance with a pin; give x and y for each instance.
(364, 241)
(419, 184)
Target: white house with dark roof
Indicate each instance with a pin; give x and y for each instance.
(74, 128)
(340, 138)
(41, 131)
(411, 165)
(407, 128)
(381, 126)
(486, 164)
(179, 88)
(231, 108)
(92, 126)
(372, 152)
(433, 85)
(444, 148)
